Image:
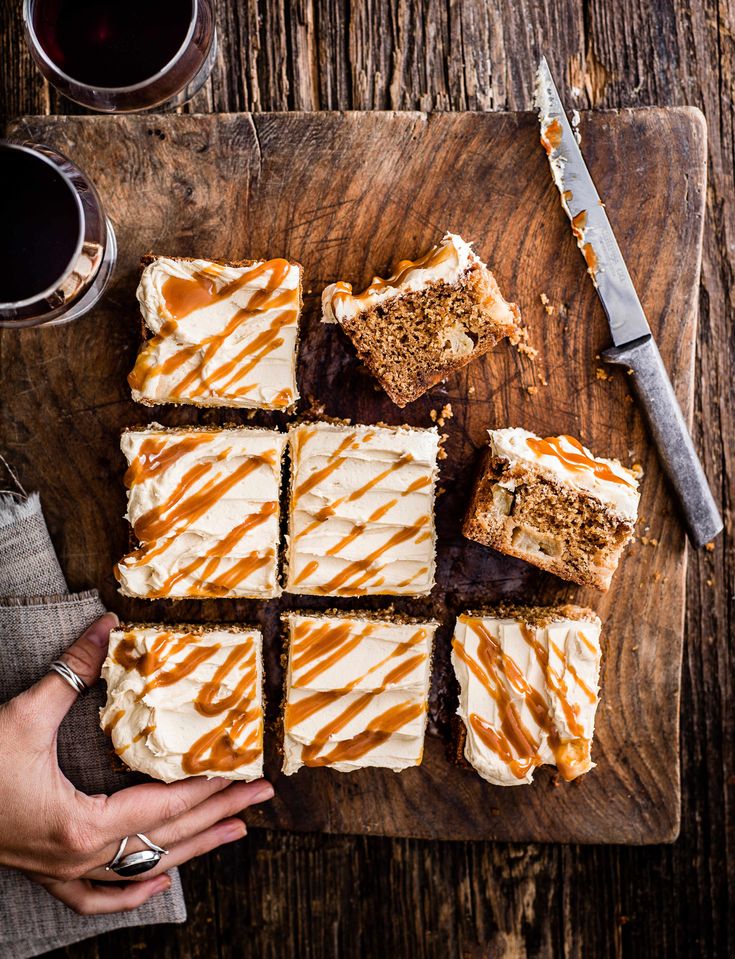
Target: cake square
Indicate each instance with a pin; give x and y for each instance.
(429, 319)
(203, 504)
(356, 691)
(218, 333)
(361, 519)
(528, 680)
(552, 503)
(186, 700)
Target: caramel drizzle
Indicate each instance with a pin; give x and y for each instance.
(330, 643)
(577, 462)
(498, 672)
(551, 136)
(366, 566)
(363, 566)
(179, 511)
(215, 751)
(578, 224)
(435, 257)
(591, 646)
(158, 454)
(208, 562)
(182, 297)
(158, 528)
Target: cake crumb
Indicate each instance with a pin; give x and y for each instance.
(432, 415)
(547, 304)
(446, 414)
(602, 374)
(710, 582)
(527, 350)
(472, 390)
(637, 470)
(533, 390)
(710, 547)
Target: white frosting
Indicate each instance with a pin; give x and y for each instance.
(623, 497)
(358, 657)
(338, 303)
(573, 649)
(377, 485)
(268, 383)
(187, 550)
(153, 727)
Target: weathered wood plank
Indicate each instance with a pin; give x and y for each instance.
(368, 189)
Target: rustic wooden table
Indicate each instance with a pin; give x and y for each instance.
(308, 895)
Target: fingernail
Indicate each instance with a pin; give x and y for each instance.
(99, 632)
(162, 883)
(234, 830)
(264, 793)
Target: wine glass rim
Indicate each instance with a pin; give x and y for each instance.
(54, 286)
(80, 84)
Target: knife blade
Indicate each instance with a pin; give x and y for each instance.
(634, 347)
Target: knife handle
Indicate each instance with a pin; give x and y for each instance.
(671, 436)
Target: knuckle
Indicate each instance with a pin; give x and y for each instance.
(80, 659)
(63, 872)
(23, 711)
(177, 805)
(75, 838)
(82, 907)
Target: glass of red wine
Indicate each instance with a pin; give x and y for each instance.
(117, 56)
(57, 247)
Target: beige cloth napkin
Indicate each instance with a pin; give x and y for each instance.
(38, 620)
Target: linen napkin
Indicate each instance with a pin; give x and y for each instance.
(39, 619)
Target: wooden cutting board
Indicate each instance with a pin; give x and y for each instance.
(348, 194)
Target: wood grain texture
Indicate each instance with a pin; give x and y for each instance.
(368, 190)
(288, 894)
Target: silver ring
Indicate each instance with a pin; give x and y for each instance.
(67, 673)
(136, 863)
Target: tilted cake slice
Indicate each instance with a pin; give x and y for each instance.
(528, 679)
(552, 503)
(361, 517)
(356, 691)
(218, 333)
(186, 700)
(427, 320)
(204, 507)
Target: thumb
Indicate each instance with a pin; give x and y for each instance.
(85, 657)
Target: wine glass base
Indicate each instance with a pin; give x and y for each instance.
(99, 285)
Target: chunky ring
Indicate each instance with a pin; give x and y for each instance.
(136, 863)
(68, 674)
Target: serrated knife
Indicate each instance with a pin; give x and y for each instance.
(634, 346)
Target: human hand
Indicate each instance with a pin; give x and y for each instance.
(63, 838)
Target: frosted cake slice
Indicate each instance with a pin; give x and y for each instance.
(528, 680)
(218, 333)
(186, 700)
(552, 503)
(203, 504)
(356, 692)
(361, 517)
(429, 319)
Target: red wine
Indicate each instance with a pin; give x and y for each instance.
(41, 225)
(111, 43)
